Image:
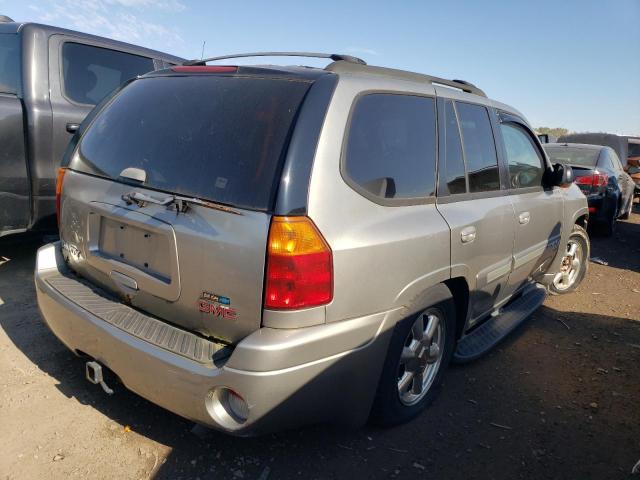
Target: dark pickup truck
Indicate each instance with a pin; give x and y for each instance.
(50, 79)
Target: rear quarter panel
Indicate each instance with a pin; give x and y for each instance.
(384, 256)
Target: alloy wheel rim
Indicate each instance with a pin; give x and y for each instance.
(420, 358)
(570, 267)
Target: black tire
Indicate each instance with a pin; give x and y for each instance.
(578, 234)
(388, 410)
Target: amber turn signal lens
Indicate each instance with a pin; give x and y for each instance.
(299, 265)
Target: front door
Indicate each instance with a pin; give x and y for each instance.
(538, 210)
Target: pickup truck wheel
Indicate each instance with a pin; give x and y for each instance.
(574, 263)
(420, 350)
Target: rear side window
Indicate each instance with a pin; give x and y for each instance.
(454, 161)
(391, 148)
(525, 163)
(91, 73)
(479, 148)
(217, 138)
(9, 62)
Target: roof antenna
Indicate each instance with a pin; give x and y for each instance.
(202, 54)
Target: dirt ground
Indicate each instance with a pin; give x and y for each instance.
(560, 398)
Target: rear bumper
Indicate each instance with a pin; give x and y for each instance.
(287, 377)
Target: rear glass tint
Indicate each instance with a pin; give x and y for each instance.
(212, 137)
(9, 63)
(581, 157)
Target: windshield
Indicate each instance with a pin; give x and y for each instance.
(219, 138)
(575, 156)
(9, 62)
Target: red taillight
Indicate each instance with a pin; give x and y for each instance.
(595, 180)
(299, 265)
(592, 210)
(204, 69)
(59, 180)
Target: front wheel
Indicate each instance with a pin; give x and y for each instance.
(420, 350)
(575, 263)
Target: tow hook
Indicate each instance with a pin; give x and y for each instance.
(94, 375)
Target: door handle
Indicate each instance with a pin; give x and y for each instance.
(468, 234)
(524, 218)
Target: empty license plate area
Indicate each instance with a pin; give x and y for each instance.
(141, 248)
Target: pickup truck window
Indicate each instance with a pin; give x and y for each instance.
(9, 62)
(91, 73)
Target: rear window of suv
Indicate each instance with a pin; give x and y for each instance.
(218, 138)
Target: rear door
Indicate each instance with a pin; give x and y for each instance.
(218, 138)
(81, 73)
(538, 210)
(471, 200)
(14, 181)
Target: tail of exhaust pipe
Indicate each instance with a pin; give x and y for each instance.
(93, 372)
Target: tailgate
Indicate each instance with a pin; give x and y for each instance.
(202, 269)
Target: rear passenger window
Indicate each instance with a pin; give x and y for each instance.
(479, 148)
(525, 163)
(391, 149)
(454, 162)
(9, 62)
(91, 73)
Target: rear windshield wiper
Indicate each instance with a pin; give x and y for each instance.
(181, 203)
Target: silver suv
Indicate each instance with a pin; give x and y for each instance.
(260, 247)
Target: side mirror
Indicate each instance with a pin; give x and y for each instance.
(73, 127)
(562, 175)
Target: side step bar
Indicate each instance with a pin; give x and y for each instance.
(494, 330)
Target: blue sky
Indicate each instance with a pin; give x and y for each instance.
(563, 63)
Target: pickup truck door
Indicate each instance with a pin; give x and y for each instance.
(81, 73)
(538, 210)
(14, 179)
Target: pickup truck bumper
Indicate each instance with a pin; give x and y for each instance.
(287, 377)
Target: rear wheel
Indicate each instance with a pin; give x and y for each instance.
(419, 352)
(575, 263)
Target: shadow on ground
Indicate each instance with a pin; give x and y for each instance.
(557, 399)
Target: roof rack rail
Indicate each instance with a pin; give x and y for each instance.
(349, 67)
(332, 56)
(460, 85)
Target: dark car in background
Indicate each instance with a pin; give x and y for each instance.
(50, 79)
(600, 175)
(627, 148)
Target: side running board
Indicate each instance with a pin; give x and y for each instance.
(494, 330)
